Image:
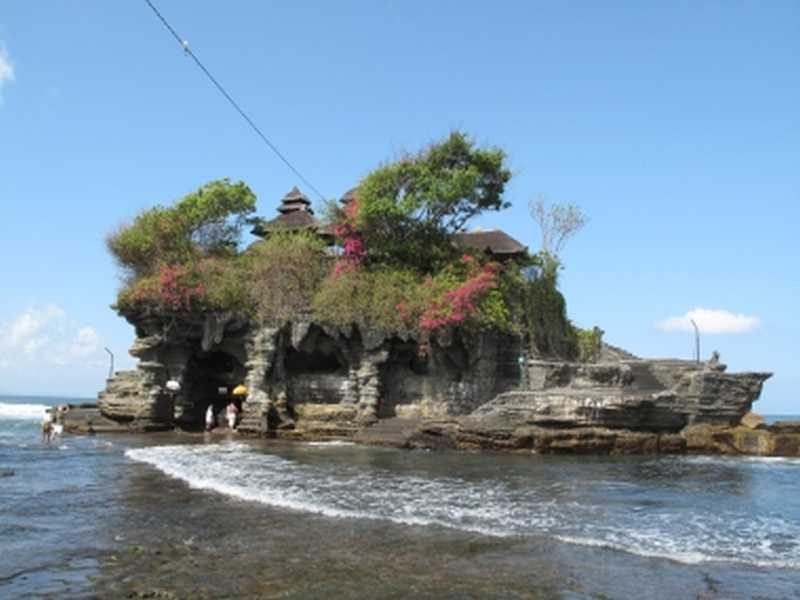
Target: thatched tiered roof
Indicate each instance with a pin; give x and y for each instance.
(494, 242)
(296, 214)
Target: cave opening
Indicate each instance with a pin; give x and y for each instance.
(403, 377)
(212, 376)
(318, 353)
(316, 371)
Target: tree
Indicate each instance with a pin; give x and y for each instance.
(557, 223)
(409, 210)
(283, 273)
(207, 222)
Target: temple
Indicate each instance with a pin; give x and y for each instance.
(460, 388)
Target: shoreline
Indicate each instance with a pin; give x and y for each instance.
(752, 437)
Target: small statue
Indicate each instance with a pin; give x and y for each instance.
(714, 363)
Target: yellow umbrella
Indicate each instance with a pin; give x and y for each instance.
(240, 390)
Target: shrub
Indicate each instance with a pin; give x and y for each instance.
(282, 275)
(590, 343)
(456, 300)
(174, 288)
(384, 299)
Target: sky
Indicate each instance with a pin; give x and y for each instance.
(675, 126)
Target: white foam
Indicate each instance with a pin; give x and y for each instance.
(685, 557)
(495, 507)
(734, 460)
(22, 411)
(331, 444)
(278, 482)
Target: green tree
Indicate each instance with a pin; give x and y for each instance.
(408, 210)
(207, 222)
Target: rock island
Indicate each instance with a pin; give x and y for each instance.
(384, 320)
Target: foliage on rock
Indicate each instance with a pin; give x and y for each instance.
(206, 222)
(284, 273)
(398, 269)
(409, 210)
(590, 343)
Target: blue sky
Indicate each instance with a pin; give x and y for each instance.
(674, 125)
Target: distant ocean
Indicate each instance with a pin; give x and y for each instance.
(109, 516)
(770, 419)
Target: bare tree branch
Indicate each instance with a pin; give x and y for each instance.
(557, 223)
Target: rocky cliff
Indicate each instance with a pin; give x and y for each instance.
(306, 380)
(302, 378)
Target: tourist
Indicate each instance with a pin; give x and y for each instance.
(230, 413)
(58, 426)
(210, 417)
(47, 426)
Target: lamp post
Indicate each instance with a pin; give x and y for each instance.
(111, 365)
(696, 339)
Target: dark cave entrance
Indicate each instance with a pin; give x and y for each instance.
(316, 371)
(212, 377)
(403, 378)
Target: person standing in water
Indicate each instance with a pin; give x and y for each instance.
(210, 417)
(47, 426)
(230, 413)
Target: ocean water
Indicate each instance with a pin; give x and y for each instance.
(225, 517)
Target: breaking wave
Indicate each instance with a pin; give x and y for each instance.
(495, 507)
(28, 412)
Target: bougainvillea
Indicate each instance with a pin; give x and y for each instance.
(461, 302)
(178, 290)
(346, 229)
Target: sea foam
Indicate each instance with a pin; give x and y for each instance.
(22, 411)
(493, 507)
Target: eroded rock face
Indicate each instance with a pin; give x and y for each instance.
(296, 373)
(306, 381)
(657, 396)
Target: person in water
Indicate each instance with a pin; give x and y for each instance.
(210, 417)
(47, 426)
(231, 412)
(58, 426)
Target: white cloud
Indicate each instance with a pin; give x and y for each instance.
(6, 67)
(87, 342)
(47, 335)
(28, 324)
(711, 321)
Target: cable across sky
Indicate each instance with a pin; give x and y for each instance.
(185, 46)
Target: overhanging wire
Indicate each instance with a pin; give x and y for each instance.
(185, 46)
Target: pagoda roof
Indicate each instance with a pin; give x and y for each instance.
(295, 214)
(289, 221)
(295, 200)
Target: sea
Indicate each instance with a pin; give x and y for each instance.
(219, 516)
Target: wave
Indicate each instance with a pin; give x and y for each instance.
(685, 557)
(330, 444)
(492, 507)
(28, 412)
(734, 460)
